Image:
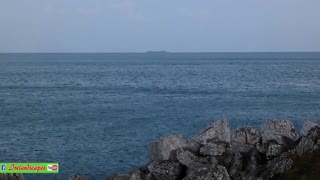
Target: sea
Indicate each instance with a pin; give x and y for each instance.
(96, 113)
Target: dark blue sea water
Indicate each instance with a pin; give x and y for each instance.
(97, 113)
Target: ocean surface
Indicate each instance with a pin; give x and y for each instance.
(97, 113)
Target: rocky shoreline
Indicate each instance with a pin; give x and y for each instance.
(216, 153)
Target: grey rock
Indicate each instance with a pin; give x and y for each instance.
(239, 136)
(314, 134)
(305, 145)
(247, 135)
(261, 148)
(207, 172)
(194, 146)
(11, 177)
(316, 147)
(213, 160)
(161, 148)
(186, 157)
(165, 170)
(119, 177)
(236, 166)
(78, 177)
(137, 175)
(220, 173)
(218, 131)
(226, 159)
(214, 149)
(150, 177)
(253, 135)
(281, 131)
(240, 147)
(246, 165)
(307, 126)
(254, 165)
(277, 166)
(274, 150)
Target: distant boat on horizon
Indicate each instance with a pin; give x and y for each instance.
(157, 52)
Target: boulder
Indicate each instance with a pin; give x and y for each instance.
(261, 148)
(226, 159)
(237, 165)
(213, 160)
(11, 177)
(186, 157)
(207, 172)
(240, 147)
(194, 146)
(305, 145)
(119, 177)
(137, 175)
(277, 166)
(316, 147)
(246, 135)
(274, 150)
(218, 131)
(214, 149)
(307, 126)
(163, 170)
(239, 136)
(281, 131)
(254, 165)
(314, 134)
(161, 149)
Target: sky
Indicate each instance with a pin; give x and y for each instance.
(170, 25)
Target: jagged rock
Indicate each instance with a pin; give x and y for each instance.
(236, 166)
(254, 165)
(281, 131)
(119, 177)
(161, 149)
(314, 134)
(274, 150)
(305, 145)
(240, 147)
(239, 136)
(210, 155)
(307, 126)
(261, 148)
(226, 159)
(11, 177)
(78, 177)
(213, 160)
(194, 146)
(220, 173)
(277, 166)
(247, 135)
(214, 149)
(207, 172)
(163, 170)
(218, 131)
(137, 175)
(186, 157)
(316, 146)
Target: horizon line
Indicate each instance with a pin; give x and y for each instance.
(155, 52)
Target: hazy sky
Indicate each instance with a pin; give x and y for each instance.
(172, 25)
